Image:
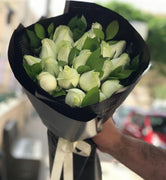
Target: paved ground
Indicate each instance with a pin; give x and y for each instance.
(111, 168)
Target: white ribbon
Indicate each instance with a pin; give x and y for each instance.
(64, 157)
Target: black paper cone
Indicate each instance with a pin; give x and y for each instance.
(84, 168)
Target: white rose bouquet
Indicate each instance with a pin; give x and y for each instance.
(76, 69)
(85, 66)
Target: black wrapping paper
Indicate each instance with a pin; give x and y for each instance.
(84, 168)
(19, 46)
(77, 123)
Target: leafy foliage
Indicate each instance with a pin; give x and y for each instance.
(77, 26)
(61, 92)
(40, 31)
(33, 70)
(91, 43)
(91, 97)
(83, 69)
(34, 40)
(112, 30)
(120, 73)
(99, 33)
(95, 61)
(50, 30)
(73, 53)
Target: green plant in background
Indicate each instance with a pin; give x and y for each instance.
(127, 11)
(159, 92)
(157, 28)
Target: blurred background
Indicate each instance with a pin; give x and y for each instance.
(23, 137)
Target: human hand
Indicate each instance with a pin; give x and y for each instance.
(108, 138)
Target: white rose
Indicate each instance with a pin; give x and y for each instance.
(62, 32)
(47, 81)
(63, 50)
(74, 97)
(110, 86)
(81, 59)
(123, 60)
(31, 60)
(107, 68)
(50, 65)
(68, 78)
(48, 49)
(89, 80)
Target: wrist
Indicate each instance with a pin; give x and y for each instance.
(115, 143)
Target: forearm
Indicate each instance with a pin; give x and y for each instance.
(146, 160)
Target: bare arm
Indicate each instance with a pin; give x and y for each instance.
(144, 159)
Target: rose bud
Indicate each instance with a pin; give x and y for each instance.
(50, 65)
(63, 50)
(118, 48)
(102, 97)
(107, 68)
(31, 60)
(107, 50)
(62, 32)
(81, 59)
(74, 97)
(47, 81)
(95, 25)
(48, 49)
(68, 78)
(123, 60)
(110, 86)
(80, 42)
(89, 80)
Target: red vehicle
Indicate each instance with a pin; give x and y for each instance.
(150, 127)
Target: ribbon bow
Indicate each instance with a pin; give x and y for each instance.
(64, 157)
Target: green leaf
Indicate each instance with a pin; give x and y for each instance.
(119, 73)
(112, 30)
(82, 24)
(77, 33)
(62, 63)
(122, 75)
(33, 70)
(92, 97)
(91, 43)
(77, 26)
(116, 70)
(36, 68)
(28, 70)
(55, 94)
(112, 78)
(83, 69)
(40, 31)
(50, 30)
(125, 74)
(51, 36)
(135, 63)
(83, 20)
(99, 33)
(73, 22)
(95, 61)
(72, 55)
(101, 74)
(34, 40)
